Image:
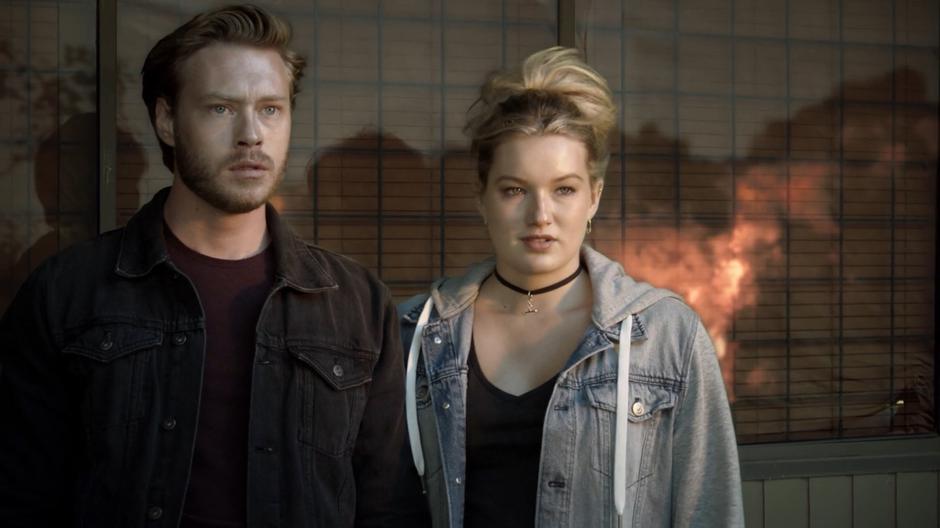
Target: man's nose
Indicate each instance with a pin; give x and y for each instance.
(249, 130)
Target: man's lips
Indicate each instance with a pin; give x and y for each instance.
(250, 162)
(248, 166)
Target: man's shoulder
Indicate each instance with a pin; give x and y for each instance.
(344, 269)
(83, 259)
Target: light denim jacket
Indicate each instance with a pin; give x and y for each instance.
(681, 464)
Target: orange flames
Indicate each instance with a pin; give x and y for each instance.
(717, 270)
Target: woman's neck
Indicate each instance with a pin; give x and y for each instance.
(575, 295)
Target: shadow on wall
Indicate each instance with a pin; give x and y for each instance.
(47, 102)
(383, 230)
(65, 179)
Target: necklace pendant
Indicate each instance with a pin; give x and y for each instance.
(531, 306)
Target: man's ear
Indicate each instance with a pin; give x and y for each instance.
(163, 122)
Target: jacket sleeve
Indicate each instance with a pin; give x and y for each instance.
(706, 479)
(38, 434)
(377, 457)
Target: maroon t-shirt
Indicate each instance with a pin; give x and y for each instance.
(232, 294)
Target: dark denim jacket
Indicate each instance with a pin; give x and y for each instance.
(102, 358)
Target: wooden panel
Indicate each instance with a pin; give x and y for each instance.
(786, 504)
(753, 492)
(830, 502)
(917, 500)
(873, 501)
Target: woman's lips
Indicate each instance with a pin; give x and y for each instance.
(538, 242)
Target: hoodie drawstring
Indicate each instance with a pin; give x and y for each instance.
(411, 399)
(623, 396)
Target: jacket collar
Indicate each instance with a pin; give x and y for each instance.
(616, 295)
(143, 248)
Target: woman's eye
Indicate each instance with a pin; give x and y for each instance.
(513, 191)
(566, 190)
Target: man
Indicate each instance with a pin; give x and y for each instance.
(204, 367)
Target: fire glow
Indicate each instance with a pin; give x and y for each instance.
(717, 270)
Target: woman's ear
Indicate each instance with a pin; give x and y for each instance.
(481, 208)
(163, 122)
(597, 188)
(478, 189)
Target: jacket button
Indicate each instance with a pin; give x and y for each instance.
(179, 339)
(168, 424)
(338, 371)
(446, 406)
(106, 343)
(154, 513)
(437, 340)
(638, 409)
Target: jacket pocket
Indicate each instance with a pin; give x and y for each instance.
(647, 405)
(332, 384)
(110, 362)
(422, 389)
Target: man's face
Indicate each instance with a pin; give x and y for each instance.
(230, 128)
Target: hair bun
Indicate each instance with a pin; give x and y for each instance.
(554, 91)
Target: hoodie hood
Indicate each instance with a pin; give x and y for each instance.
(616, 294)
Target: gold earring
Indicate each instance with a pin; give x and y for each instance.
(589, 226)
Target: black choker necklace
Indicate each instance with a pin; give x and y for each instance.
(530, 293)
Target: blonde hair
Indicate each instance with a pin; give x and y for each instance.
(555, 92)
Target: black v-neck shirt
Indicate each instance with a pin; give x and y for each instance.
(504, 444)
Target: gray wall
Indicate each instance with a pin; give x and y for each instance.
(888, 483)
(886, 500)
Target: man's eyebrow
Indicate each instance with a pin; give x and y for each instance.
(507, 177)
(218, 96)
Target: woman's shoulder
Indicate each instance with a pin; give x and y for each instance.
(410, 309)
(451, 294)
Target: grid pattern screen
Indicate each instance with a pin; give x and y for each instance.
(777, 167)
(48, 133)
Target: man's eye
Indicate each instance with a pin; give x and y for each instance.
(219, 109)
(270, 110)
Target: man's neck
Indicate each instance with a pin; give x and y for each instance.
(211, 232)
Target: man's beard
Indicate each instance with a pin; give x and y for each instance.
(230, 197)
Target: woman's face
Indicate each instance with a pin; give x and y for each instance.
(536, 205)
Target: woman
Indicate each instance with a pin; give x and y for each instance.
(545, 385)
